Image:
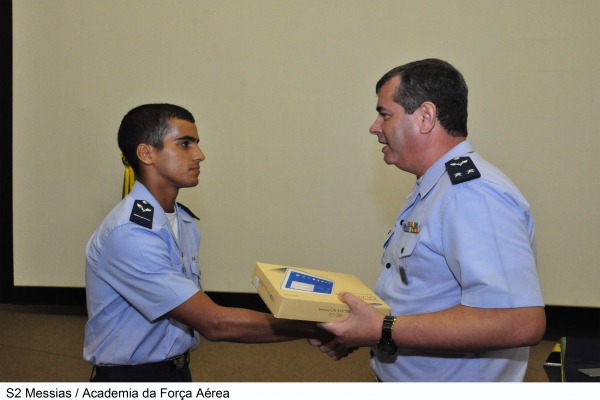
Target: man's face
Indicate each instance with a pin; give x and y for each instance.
(395, 129)
(178, 162)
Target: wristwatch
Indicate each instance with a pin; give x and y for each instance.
(386, 345)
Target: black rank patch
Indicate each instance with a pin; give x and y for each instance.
(142, 213)
(188, 211)
(461, 169)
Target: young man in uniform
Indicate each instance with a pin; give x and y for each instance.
(144, 298)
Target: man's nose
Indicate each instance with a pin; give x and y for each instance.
(375, 127)
(200, 156)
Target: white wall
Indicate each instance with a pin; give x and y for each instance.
(283, 94)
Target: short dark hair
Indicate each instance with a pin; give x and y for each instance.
(148, 123)
(436, 81)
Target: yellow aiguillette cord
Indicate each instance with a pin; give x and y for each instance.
(128, 178)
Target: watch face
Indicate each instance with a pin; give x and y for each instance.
(387, 347)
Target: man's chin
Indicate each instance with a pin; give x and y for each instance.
(387, 158)
(190, 184)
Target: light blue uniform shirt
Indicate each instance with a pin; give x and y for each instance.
(470, 243)
(134, 276)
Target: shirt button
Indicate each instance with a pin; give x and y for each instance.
(388, 265)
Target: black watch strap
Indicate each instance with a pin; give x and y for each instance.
(386, 344)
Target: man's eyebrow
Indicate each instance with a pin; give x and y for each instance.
(379, 109)
(190, 138)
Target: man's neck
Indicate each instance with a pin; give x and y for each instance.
(166, 196)
(436, 149)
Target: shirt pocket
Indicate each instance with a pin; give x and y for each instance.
(404, 249)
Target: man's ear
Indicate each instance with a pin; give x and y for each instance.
(145, 153)
(428, 118)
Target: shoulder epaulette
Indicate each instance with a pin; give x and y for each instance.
(142, 213)
(462, 169)
(188, 211)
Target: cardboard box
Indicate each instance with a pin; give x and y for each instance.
(311, 295)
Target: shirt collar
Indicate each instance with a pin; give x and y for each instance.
(438, 169)
(140, 192)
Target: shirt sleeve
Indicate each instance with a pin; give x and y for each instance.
(140, 266)
(489, 242)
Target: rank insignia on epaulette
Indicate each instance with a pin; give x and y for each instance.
(188, 211)
(461, 169)
(142, 213)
